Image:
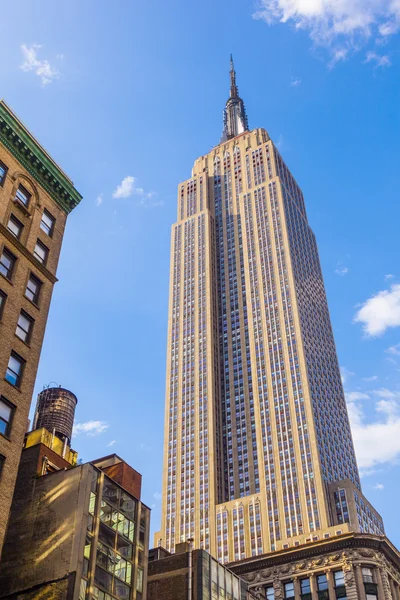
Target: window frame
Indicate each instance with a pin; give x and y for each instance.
(18, 223)
(31, 320)
(3, 179)
(26, 193)
(10, 422)
(45, 248)
(20, 374)
(14, 262)
(2, 461)
(40, 286)
(3, 300)
(290, 584)
(49, 232)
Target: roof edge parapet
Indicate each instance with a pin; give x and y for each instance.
(27, 150)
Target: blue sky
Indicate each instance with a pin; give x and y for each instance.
(125, 96)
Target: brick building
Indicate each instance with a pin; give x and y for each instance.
(35, 199)
(191, 575)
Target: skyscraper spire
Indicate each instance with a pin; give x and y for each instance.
(235, 118)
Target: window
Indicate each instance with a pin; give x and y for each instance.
(15, 226)
(24, 326)
(33, 288)
(2, 461)
(339, 578)
(7, 264)
(23, 195)
(14, 369)
(269, 593)
(3, 173)
(305, 586)
(367, 575)
(40, 252)
(6, 413)
(47, 223)
(322, 582)
(139, 580)
(289, 589)
(3, 298)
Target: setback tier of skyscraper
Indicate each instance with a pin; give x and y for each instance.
(258, 451)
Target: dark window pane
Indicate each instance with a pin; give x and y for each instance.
(7, 262)
(41, 252)
(23, 195)
(124, 547)
(24, 326)
(33, 289)
(47, 223)
(15, 226)
(3, 298)
(110, 492)
(14, 369)
(3, 172)
(6, 412)
(106, 535)
(103, 579)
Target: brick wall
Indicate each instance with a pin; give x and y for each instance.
(22, 249)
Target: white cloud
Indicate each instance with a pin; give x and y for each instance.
(42, 68)
(385, 393)
(354, 396)
(295, 82)
(111, 443)
(99, 200)
(126, 188)
(380, 312)
(90, 428)
(345, 374)
(389, 276)
(157, 496)
(378, 59)
(372, 378)
(379, 486)
(341, 269)
(340, 24)
(394, 350)
(378, 442)
(281, 142)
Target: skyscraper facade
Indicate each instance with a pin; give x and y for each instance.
(258, 450)
(35, 199)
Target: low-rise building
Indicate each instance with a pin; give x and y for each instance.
(352, 566)
(76, 531)
(191, 575)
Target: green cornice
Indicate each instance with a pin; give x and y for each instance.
(17, 139)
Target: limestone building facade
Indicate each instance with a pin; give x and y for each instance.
(352, 566)
(258, 453)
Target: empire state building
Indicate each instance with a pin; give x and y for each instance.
(258, 452)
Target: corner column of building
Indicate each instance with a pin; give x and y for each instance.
(393, 589)
(378, 578)
(297, 590)
(383, 583)
(359, 582)
(350, 581)
(313, 587)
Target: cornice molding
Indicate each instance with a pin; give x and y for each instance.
(316, 550)
(33, 157)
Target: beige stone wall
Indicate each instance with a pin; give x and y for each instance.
(349, 554)
(21, 398)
